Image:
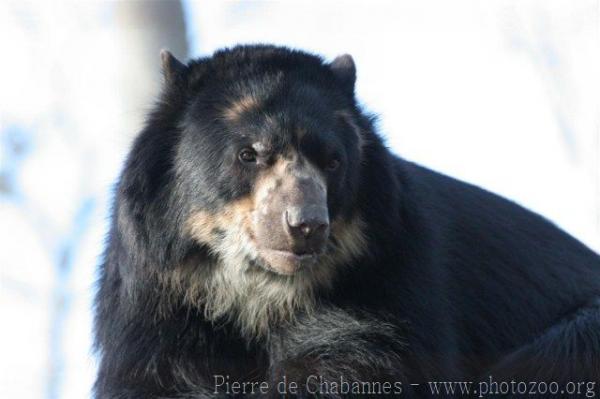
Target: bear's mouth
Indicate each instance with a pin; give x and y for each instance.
(286, 263)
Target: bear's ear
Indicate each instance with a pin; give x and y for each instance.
(172, 68)
(345, 71)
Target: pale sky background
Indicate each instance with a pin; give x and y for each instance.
(503, 94)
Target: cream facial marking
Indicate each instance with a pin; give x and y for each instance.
(238, 284)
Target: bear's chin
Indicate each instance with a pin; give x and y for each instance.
(285, 263)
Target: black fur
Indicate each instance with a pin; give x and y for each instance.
(456, 283)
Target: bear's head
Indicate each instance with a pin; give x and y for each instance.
(243, 186)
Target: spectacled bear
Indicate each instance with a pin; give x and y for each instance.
(265, 242)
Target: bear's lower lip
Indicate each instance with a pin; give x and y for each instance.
(286, 262)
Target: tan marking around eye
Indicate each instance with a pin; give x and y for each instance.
(240, 106)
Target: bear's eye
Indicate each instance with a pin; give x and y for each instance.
(247, 155)
(332, 164)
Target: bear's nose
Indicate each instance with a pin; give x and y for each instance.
(308, 226)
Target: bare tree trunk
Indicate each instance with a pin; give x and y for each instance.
(145, 28)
